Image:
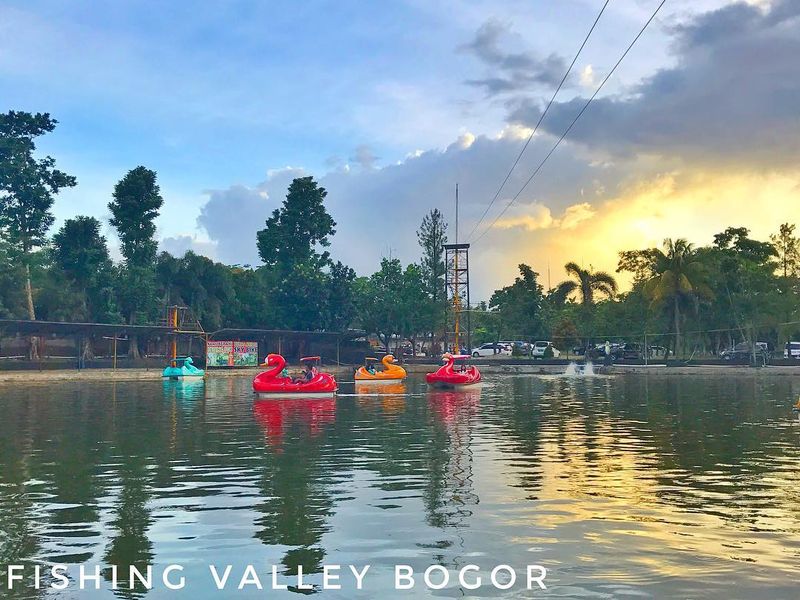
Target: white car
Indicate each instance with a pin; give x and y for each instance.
(792, 350)
(539, 347)
(491, 349)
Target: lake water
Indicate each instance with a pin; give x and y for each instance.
(628, 486)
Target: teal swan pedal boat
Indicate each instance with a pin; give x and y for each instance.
(181, 368)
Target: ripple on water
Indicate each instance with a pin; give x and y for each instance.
(621, 486)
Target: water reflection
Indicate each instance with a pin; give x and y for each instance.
(630, 485)
(296, 500)
(392, 396)
(450, 495)
(310, 414)
(184, 390)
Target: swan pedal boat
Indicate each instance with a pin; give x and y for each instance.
(271, 384)
(391, 373)
(182, 368)
(448, 378)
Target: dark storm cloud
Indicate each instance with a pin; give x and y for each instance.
(510, 71)
(733, 95)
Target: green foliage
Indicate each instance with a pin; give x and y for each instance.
(394, 301)
(744, 279)
(12, 275)
(485, 324)
(679, 282)
(520, 307)
(586, 284)
(376, 299)
(432, 236)
(251, 306)
(734, 289)
(198, 282)
(642, 263)
(80, 255)
(27, 188)
(295, 269)
(137, 200)
(564, 333)
(341, 301)
(787, 248)
(294, 230)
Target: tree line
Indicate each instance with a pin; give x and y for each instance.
(736, 288)
(70, 275)
(692, 299)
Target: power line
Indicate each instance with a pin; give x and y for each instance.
(541, 118)
(575, 120)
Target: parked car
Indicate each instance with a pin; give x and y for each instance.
(792, 350)
(743, 352)
(491, 349)
(658, 352)
(628, 351)
(540, 347)
(519, 345)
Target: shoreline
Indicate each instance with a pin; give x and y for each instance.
(101, 375)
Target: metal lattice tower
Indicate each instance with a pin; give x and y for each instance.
(456, 258)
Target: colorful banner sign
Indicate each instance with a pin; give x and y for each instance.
(231, 354)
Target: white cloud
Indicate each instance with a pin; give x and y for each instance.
(587, 77)
(538, 216)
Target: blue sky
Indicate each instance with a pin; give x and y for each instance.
(377, 99)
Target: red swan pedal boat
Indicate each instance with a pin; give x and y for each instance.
(447, 376)
(273, 384)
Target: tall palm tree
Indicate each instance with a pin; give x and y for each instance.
(587, 284)
(679, 281)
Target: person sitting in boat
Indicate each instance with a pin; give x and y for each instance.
(307, 375)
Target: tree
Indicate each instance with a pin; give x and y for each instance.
(12, 293)
(294, 267)
(641, 263)
(432, 236)
(252, 300)
(341, 308)
(295, 229)
(393, 301)
(27, 188)
(204, 285)
(420, 313)
(520, 305)
(137, 200)
(787, 247)
(679, 281)
(743, 277)
(737, 239)
(587, 284)
(81, 254)
(167, 269)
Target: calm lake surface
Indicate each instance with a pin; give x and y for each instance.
(627, 486)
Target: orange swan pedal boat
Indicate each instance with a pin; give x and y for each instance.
(391, 373)
(273, 384)
(447, 376)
